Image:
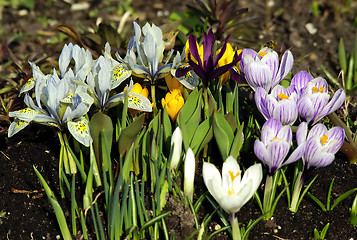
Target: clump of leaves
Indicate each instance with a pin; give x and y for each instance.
(222, 15)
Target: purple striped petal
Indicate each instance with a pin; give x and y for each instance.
(261, 152)
(260, 96)
(312, 148)
(336, 136)
(334, 104)
(286, 112)
(285, 134)
(305, 108)
(270, 130)
(278, 150)
(300, 80)
(208, 42)
(248, 55)
(258, 74)
(301, 133)
(322, 159)
(193, 49)
(271, 103)
(317, 131)
(319, 101)
(296, 154)
(286, 65)
(315, 85)
(272, 60)
(277, 90)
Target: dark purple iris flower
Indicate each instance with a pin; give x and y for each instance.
(207, 70)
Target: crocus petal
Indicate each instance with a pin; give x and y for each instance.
(272, 60)
(253, 174)
(233, 203)
(301, 133)
(261, 152)
(230, 166)
(278, 150)
(322, 159)
(300, 80)
(285, 134)
(286, 112)
(286, 64)
(258, 74)
(189, 173)
(305, 108)
(296, 154)
(270, 130)
(194, 50)
(317, 130)
(213, 180)
(259, 97)
(335, 103)
(335, 137)
(176, 147)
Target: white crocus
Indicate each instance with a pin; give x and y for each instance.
(230, 190)
(189, 172)
(176, 147)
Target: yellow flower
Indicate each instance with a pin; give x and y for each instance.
(172, 83)
(187, 51)
(227, 58)
(137, 88)
(173, 102)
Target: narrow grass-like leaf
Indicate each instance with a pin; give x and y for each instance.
(84, 227)
(193, 211)
(154, 220)
(342, 56)
(73, 205)
(324, 231)
(219, 212)
(218, 231)
(305, 191)
(61, 219)
(328, 201)
(100, 224)
(342, 197)
(250, 227)
(349, 76)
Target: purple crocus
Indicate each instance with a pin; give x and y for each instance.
(206, 68)
(279, 104)
(274, 144)
(262, 69)
(300, 80)
(321, 144)
(314, 101)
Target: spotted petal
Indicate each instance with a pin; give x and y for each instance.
(190, 80)
(16, 126)
(80, 131)
(27, 86)
(139, 102)
(26, 114)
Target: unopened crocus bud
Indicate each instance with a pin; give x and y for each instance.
(176, 147)
(189, 172)
(173, 102)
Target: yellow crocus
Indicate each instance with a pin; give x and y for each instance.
(173, 102)
(187, 51)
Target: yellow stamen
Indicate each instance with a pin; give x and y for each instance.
(324, 139)
(263, 53)
(316, 89)
(282, 96)
(231, 191)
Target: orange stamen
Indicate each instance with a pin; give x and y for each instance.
(316, 90)
(263, 53)
(282, 96)
(324, 139)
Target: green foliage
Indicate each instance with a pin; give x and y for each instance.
(321, 235)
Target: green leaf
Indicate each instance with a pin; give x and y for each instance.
(100, 124)
(129, 134)
(223, 134)
(237, 142)
(163, 195)
(203, 136)
(342, 56)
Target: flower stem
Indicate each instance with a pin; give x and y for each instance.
(153, 98)
(299, 182)
(235, 227)
(205, 97)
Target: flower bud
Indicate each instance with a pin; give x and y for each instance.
(173, 102)
(176, 147)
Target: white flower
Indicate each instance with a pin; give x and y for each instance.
(230, 190)
(176, 147)
(189, 172)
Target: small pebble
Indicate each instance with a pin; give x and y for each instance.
(311, 28)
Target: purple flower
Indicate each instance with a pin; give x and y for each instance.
(262, 69)
(274, 144)
(321, 144)
(206, 68)
(314, 101)
(300, 80)
(279, 104)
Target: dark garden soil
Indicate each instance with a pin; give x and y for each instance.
(29, 34)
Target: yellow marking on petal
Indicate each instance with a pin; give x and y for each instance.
(283, 96)
(231, 174)
(316, 89)
(324, 139)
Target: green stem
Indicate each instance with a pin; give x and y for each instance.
(296, 193)
(153, 98)
(235, 227)
(267, 201)
(205, 97)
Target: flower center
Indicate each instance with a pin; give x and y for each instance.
(282, 96)
(316, 89)
(263, 53)
(324, 139)
(231, 174)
